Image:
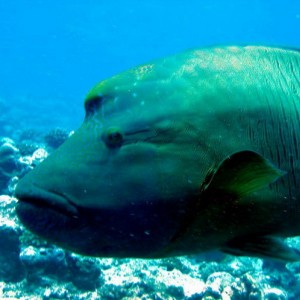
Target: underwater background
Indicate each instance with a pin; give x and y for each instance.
(51, 54)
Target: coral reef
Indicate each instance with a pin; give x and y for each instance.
(11, 269)
(56, 137)
(8, 157)
(27, 148)
(9, 165)
(15, 162)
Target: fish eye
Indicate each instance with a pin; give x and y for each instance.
(92, 104)
(113, 138)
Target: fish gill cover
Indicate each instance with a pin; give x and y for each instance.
(52, 53)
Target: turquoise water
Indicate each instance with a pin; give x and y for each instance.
(51, 54)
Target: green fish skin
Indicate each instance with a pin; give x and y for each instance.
(190, 153)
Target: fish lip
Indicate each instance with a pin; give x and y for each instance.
(42, 198)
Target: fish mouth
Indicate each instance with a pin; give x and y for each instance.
(31, 195)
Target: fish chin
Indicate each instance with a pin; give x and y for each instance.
(100, 232)
(97, 231)
(41, 220)
(49, 215)
(57, 227)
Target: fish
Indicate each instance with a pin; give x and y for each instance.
(187, 154)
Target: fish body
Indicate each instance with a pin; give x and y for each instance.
(194, 152)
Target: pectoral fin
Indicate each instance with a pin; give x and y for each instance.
(261, 246)
(241, 174)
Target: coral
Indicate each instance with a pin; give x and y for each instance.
(44, 264)
(175, 263)
(56, 137)
(29, 239)
(29, 162)
(85, 272)
(27, 148)
(8, 158)
(28, 135)
(12, 183)
(9, 162)
(7, 211)
(11, 269)
(38, 156)
(274, 294)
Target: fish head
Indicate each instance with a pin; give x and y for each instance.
(119, 186)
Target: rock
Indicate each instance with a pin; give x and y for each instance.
(294, 242)
(85, 272)
(9, 155)
(55, 293)
(219, 280)
(27, 163)
(175, 291)
(12, 183)
(11, 269)
(38, 156)
(242, 265)
(274, 294)
(7, 211)
(9, 165)
(14, 166)
(205, 269)
(42, 263)
(112, 292)
(247, 287)
(27, 148)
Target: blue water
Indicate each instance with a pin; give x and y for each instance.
(53, 52)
